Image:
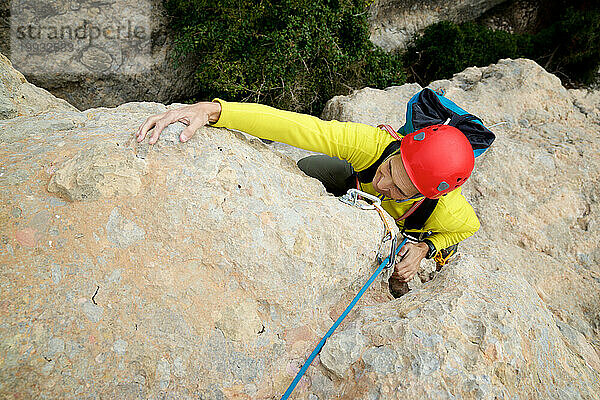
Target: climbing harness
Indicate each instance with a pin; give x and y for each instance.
(352, 198)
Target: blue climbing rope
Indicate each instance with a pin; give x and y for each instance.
(317, 349)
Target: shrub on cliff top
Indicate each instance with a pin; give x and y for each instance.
(292, 54)
(569, 48)
(446, 48)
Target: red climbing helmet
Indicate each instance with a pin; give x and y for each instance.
(437, 158)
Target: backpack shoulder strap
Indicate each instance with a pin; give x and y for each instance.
(417, 219)
(390, 130)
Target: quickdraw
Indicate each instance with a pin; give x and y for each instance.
(353, 197)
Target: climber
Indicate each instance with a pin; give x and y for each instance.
(419, 175)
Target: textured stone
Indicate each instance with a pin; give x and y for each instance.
(121, 231)
(220, 272)
(104, 170)
(240, 321)
(92, 311)
(516, 16)
(480, 334)
(55, 346)
(393, 23)
(120, 346)
(19, 97)
(378, 104)
(342, 350)
(103, 73)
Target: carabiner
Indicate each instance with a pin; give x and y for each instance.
(351, 198)
(380, 257)
(393, 252)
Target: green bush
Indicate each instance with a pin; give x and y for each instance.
(569, 48)
(292, 54)
(446, 48)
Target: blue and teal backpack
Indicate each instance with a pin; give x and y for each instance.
(424, 109)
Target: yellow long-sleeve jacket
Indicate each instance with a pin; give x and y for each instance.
(452, 220)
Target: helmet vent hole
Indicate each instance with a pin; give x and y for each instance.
(443, 186)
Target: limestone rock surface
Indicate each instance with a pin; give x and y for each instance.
(106, 74)
(393, 23)
(197, 270)
(535, 192)
(211, 269)
(19, 97)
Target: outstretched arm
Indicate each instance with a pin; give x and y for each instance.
(359, 144)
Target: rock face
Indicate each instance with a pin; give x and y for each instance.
(102, 73)
(19, 97)
(515, 16)
(535, 194)
(203, 270)
(210, 269)
(394, 22)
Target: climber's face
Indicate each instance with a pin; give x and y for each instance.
(392, 180)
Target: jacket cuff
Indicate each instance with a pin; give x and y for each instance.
(222, 121)
(432, 249)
